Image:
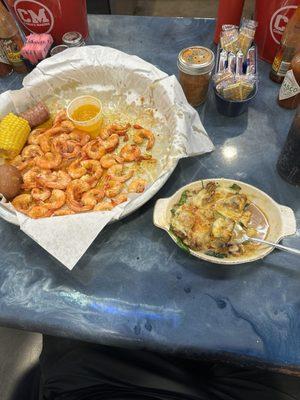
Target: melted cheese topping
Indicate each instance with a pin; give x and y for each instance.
(205, 219)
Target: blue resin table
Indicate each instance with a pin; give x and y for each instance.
(134, 286)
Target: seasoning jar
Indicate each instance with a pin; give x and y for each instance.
(73, 39)
(195, 65)
(58, 49)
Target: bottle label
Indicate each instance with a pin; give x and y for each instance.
(289, 87)
(277, 61)
(283, 68)
(3, 58)
(35, 16)
(12, 51)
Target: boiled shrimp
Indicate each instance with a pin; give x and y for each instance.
(62, 212)
(117, 173)
(111, 143)
(34, 136)
(39, 211)
(74, 194)
(23, 202)
(104, 206)
(31, 151)
(142, 134)
(137, 186)
(60, 117)
(66, 148)
(54, 179)
(112, 188)
(94, 149)
(93, 171)
(44, 140)
(40, 194)
(119, 199)
(105, 133)
(76, 170)
(79, 136)
(30, 178)
(56, 200)
(108, 160)
(130, 152)
(21, 164)
(48, 160)
(67, 126)
(92, 197)
(120, 130)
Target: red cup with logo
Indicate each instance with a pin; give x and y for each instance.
(51, 16)
(272, 17)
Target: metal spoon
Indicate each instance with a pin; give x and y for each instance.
(242, 237)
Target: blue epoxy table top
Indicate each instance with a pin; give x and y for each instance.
(134, 287)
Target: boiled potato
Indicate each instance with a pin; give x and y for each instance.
(10, 181)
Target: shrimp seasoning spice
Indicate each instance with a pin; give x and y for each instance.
(195, 65)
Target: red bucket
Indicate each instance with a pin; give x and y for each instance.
(272, 17)
(51, 16)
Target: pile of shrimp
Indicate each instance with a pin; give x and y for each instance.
(65, 171)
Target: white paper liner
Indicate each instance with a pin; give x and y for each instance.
(109, 72)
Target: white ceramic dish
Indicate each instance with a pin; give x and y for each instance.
(281, 219)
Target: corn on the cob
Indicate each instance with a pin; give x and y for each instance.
(14, 132)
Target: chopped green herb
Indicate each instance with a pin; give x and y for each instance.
(235, 187)
(215, 254)
(217, 214)
(183, 198)
(173, 211)
(202, 184)
(179, 241)
(242, 225)
(247, 205)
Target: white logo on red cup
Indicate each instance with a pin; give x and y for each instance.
(35, 16)
(279, 20)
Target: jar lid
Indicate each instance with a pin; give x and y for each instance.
(196, 60)
(58, 49)
(73, 39)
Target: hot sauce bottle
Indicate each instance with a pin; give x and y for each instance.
(289, 94)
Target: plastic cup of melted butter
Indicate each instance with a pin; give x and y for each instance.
(86, 114)
(195, 65)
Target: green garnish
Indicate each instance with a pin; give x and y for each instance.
(217, 214)
(179, 241)
(247, 205)
(242, 225)
(183, 198)
(235, 187)
(173, 211)
(215, 254)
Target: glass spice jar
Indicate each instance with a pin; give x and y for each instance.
(73, 39)
(195, 65)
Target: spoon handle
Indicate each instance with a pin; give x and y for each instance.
(278, 246)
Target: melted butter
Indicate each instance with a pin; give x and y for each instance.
(85, 112)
